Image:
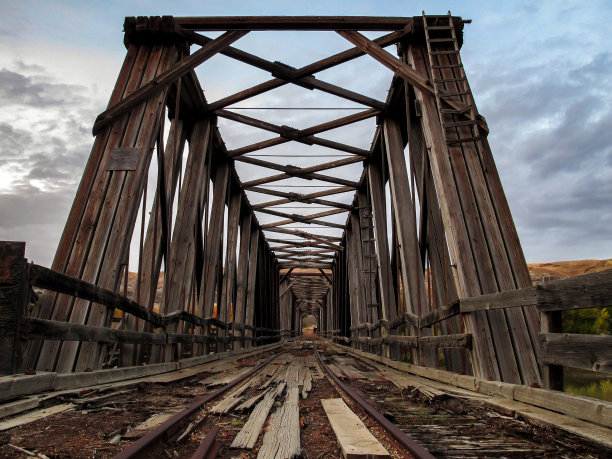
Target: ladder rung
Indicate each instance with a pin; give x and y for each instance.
(453, 66)
(460, 123)
(454, 94)
(466, 139)
(436, 53)
(448, 80)
(441, 40)
(440, 27)
(454, 111)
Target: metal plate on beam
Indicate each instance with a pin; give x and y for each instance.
(123, 159)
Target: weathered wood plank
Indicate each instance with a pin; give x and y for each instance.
(34, 328)
(293, 23)
(248, 435)
(34, 416)
(354, 438)
(283, 436)
(589, 352)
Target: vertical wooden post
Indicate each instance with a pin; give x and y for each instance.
(412, 271)
(552, 377)
(388, 311)
(213, 240)
(252, 279)
(242, 274)
(180, 266)
(229, 274)
(14, 291)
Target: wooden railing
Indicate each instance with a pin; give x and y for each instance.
(556, 349)
(16, 328)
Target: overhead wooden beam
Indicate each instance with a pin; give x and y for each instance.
(315, 67)
(321, 239)
(293, 23)
(161, 82)
(293, 218)
(301, 172)
(310, 198)
(340, 122)
(291, 133)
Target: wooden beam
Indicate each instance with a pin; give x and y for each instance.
(293, 23)
(162, 81)
(243, 266)
(294, 171)
(291, 133)
(310, 198)
(305, 235)
(346, 120)
(388, 60)
(296, 218)
(224, 312)
(588, 352)
(310, 69)
(214, 240)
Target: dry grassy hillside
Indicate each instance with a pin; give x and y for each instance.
(561, 269)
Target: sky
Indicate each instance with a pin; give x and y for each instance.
(540, 73)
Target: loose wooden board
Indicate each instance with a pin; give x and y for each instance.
(354, 438)
(34, 416)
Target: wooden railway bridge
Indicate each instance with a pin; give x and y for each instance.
(430, 272)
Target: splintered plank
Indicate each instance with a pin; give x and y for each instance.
(283, 436)
(154, 421)
(216, 381)
(34, 416)
(353, 436)
(247, 437)
(306, 383)
(229, 402)
(351, 372)
(249, 403)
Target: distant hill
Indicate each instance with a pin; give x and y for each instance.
(540, 272)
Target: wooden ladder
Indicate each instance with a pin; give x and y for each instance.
(454, 98)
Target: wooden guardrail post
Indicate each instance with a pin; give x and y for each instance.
(552, 375)
(13, 297)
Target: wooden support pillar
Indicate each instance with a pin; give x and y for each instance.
(180, 266)
(404, 217)
(101, 244)
(252, 278)
(152, 251)
(379, 215)
(229, 275)
(14, 297)
(214, 240)
(242, 274)
(356, 304)
(502, 346)
(432, 239)
(369, 261)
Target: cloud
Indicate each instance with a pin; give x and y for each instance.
(551, 137)
(18, 89)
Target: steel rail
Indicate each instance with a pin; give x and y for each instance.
(139, 447)
(417, 450)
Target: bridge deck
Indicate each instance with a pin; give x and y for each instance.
(447, 420)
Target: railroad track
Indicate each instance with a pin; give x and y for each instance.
(242, 407)
(449, 424)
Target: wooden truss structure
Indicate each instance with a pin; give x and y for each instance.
(385, 283)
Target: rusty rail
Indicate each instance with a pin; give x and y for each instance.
(170, 427)
(405, 441)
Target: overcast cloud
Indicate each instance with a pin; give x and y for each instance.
(541, 75)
